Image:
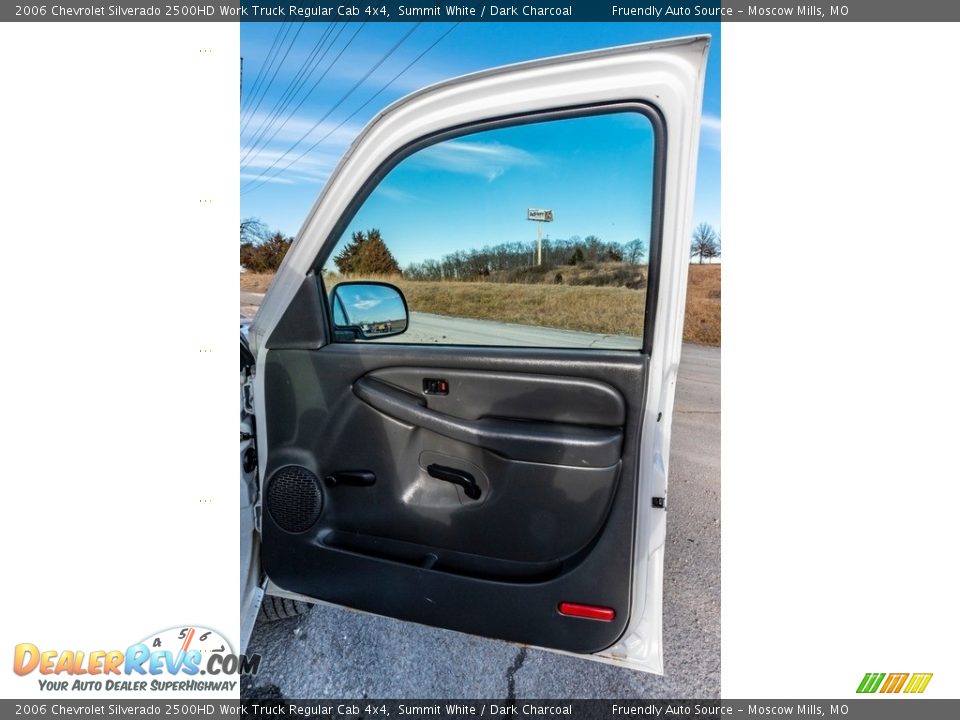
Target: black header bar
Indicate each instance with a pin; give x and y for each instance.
(480, 11)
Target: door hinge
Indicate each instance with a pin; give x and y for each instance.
(660, 502)
(248, 395)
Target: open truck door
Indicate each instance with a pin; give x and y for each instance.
(505, 489)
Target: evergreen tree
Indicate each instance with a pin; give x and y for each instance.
(366, 254)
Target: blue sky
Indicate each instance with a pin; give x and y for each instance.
(334, 111)
(595, 173)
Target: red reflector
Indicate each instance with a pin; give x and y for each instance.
(591, 612)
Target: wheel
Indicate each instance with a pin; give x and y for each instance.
(278, 608)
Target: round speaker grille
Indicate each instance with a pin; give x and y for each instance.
(294, 499)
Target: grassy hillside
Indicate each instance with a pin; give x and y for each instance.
(573, 302)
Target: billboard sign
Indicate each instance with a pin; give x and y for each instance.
(540, 215)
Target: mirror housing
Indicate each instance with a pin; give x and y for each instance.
(367, 310)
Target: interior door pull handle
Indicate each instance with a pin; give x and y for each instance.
(457, 477)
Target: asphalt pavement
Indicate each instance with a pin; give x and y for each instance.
(338, 653)
(250, 303)
(440, 329)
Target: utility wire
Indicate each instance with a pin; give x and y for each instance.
(304, 98)
(268, 66)
(309, 65)
(338, 103)
(273, 77)
(346, 119)
(302, 77)
(256, 82)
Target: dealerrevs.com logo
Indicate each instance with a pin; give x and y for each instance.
(910, 683)
(177, 659)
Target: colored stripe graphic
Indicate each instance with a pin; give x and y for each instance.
(918, 682)
(870, 682)
(894, 682)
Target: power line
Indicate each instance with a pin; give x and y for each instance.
(309, 93)
(268, 65)
(276, 70)
(339, 102)
(346, 119)
(256, 82)
(299, 81)
(301, 75)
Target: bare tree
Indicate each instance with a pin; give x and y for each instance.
(253, 231)
(716, 248)
(706, 243)
(634, 251)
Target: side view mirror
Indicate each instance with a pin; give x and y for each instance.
(367, 310)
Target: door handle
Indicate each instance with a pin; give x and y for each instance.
(457, 477)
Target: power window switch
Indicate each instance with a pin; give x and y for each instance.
(435, 386)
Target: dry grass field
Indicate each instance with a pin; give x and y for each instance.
(701, 323)
(611, 310)
(255, 282)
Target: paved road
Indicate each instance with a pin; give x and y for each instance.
(440, 329)
(250, 303)
(338, 653)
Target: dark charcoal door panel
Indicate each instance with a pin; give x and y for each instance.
(533, 504)
(534, 441)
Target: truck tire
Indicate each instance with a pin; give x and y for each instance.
(278, 608)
